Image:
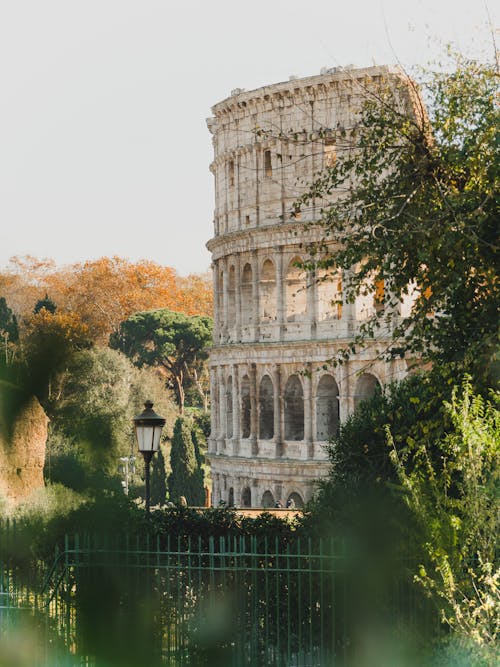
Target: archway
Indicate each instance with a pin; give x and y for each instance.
(294, 409)
(268, 292)
(229, 408)
(246, 295)
(266, 409)
(327, 408)
(246, 497)
(245, 407)
(230, 497)
(267, 499)
(366, 386)
(295, 499)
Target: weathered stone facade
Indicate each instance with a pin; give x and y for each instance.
(274, 402)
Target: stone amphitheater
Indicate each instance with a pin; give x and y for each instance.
(275, 400)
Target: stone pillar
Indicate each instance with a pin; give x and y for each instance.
(237, 296)
(225, 297)
(221, 444)
(254, 411)
(255, 294)
(280, 293)
(255, 493)
(214, 402)
(236, 411)
(237, 487)
(215, 283)
(312, 302)
(278, 412)
(346, 399)
(308, 411)
(348, 309)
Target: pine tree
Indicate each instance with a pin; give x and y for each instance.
(46, 303)
(186, 478)
(158, 480)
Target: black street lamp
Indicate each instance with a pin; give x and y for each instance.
(148, 426)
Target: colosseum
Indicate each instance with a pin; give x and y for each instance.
(275, 399)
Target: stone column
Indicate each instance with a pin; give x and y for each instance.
(255, 294)
(308, 411)
(221, 444)
(348, 309)
(225, 297)
(254, 411)
(237, 296)
(280, 293)
(214, 426)
(215, 283)
(254, 491)
(346, 400)
(312, 302)
(236, 411)
(278, 412)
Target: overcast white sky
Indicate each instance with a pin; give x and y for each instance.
(104, 148)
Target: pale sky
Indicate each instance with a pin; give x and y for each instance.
(104, 148)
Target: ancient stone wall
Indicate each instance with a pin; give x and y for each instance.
(274, 404)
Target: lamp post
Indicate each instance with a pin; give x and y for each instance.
(148, 426)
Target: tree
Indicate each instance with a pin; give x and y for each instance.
(9, 330)
(454, 498)
(46, 303)
(186, 478)
(410, 207)
(102, 293)
(173, 342)
(91, 408)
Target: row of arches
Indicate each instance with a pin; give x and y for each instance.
(257, 294)
(268, 500)
(326, 401)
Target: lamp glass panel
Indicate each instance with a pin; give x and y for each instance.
(148, 438)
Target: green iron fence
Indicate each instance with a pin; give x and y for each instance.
(221, 601)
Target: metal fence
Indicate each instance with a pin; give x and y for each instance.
(220, 601)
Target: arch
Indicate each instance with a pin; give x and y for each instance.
(246, 295)
(245, 406)
(267, 499)
(296, 296)
(268, 292)
(231, 297)
(294, 409)
(296, 499)
(230, 497)
(266, 409)
(229, 408)
(246, 497)
(327, 408)
(366, 386)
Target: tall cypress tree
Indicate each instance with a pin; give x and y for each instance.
(186, 478)
(8, 322)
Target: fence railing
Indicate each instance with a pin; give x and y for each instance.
(189, 601)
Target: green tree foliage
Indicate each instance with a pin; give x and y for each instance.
(91, 409)
(186, 478)
(454, 498)
(174, 342)
(9, 330)
(413, 201)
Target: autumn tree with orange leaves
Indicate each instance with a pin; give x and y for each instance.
(99, 294)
